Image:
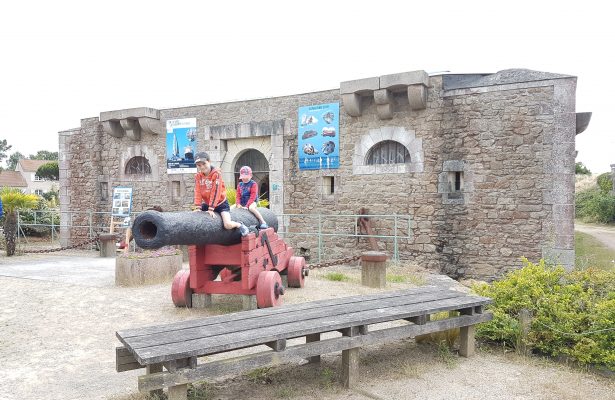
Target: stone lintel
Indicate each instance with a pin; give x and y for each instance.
(130, 113)
(404, 79)
(360, 86)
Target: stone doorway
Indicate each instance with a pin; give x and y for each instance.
(260, 170)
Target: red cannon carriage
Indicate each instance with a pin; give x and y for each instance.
(251, 265)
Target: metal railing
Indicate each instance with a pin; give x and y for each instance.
(394, 228)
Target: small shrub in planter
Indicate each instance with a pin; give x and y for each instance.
(147, 267)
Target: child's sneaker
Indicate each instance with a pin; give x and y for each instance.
(264, 226)
(244, 230)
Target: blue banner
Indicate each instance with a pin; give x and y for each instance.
(319, 140)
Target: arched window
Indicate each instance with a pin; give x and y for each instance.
(388, 152)
(138, 166)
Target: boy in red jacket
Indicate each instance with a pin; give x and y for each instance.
(247, 193)
(210, 193)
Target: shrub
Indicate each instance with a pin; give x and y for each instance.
(580, 169)
(605, 182)
(594, 205)
(573, 312)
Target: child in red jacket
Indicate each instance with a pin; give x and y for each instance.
(210, 193)
(247, 194)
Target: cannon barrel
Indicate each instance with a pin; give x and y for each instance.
(153, 229)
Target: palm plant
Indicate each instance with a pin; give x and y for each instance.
(12, 201)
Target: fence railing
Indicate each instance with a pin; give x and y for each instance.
(320, 228)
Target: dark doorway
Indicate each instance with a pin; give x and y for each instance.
(260, 170)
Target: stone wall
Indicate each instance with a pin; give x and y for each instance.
(507, 138)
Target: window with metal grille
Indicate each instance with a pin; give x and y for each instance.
(138, 166)
(388, 152)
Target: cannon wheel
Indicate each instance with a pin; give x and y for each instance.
(269, 289)
(296, 276)
(181, 293)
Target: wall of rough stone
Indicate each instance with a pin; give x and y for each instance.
(511, 141)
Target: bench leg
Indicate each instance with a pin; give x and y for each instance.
(350, 367)
(179, 392)
(315, 337)
(152, 369)
(466, 340)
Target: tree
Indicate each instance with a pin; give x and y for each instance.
(49, 171)
(44, 155)
(11, 163)
(580, 169)
(12, 201)
(4, 148)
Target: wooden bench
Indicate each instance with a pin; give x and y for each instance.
(176, 346)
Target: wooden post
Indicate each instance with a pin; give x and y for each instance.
(525, 320)
(152, 369)
(107, 245)
(350, 360)
(179, 392)
(466, 335)
(314, 337)
(373, 269)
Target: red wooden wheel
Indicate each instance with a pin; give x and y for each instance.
(269, 289)
(181, 293)
(296, 273)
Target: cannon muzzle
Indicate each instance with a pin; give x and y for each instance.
(153, 229)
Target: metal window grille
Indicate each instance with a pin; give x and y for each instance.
(138, 166)
(388, 152)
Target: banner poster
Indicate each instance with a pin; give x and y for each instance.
(122, 201)
(181, 145)
(319, 144)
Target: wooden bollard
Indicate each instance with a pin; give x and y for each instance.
(374, 269)
(107, 244)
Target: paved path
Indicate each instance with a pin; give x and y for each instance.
(604, 234)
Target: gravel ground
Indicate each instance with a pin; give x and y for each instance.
(57, 341)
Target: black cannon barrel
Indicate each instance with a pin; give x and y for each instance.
(153, 229)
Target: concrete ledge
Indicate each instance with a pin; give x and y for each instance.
(133, 113)
(146, 271)
(360, 86)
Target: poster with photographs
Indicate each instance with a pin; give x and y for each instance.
(122, 201)
(319, 143)
(181, 146)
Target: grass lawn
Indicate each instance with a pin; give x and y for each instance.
(592, 253)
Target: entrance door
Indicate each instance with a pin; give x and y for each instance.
(260, 170)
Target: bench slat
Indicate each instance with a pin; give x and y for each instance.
(269, 312)
(231, 328)
(204, 346)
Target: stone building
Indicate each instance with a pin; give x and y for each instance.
(482, 163)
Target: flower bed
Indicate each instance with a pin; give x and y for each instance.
(147, 267)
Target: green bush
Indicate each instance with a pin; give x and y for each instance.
(573, 313)
(605, 182)
(594, 205)
(581, 169)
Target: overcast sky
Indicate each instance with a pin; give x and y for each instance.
(66, 60)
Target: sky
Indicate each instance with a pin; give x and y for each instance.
(62, 61)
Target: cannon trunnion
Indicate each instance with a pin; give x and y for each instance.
(250, 265)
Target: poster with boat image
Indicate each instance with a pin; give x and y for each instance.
(181, 145)
(319, 141)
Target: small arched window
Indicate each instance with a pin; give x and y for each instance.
(138, 166)
(388, 152)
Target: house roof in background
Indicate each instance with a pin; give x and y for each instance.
(12, 179)
(32, 165)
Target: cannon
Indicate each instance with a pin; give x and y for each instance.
(221, 260)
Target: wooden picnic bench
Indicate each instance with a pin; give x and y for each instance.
(176, 346)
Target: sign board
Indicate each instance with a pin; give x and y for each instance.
(122, 201)
(181, 146)
(319, 140)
